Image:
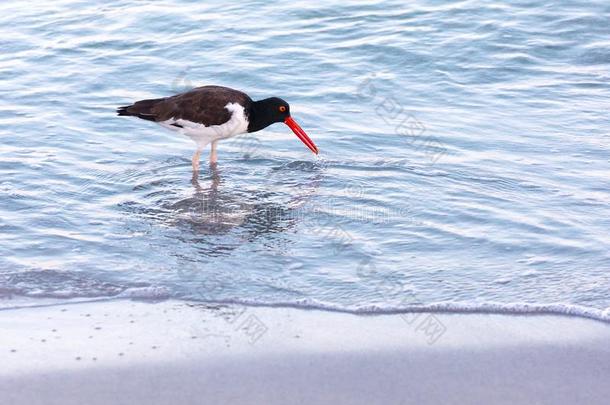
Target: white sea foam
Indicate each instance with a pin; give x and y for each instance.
(517, 308)
(146, 293)
(154, 293)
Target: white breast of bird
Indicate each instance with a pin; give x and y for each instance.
(202, 135)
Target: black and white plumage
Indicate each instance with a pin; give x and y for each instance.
(211, 113)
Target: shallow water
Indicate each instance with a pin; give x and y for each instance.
(464, 154)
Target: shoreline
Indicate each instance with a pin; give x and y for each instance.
(441, 308)
(124, 351)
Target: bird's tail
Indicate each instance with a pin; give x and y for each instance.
(141, 109)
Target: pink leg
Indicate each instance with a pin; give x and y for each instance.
(213, 154)
(195, 161)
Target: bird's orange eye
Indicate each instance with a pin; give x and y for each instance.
(282, 108)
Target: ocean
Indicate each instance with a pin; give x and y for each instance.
(464, 155)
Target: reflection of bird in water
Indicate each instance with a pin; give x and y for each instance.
(211, 113)
(209, 211)
(216, 218)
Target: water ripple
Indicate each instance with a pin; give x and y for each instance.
(464, 155)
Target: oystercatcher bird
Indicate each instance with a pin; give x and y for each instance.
(210, 113)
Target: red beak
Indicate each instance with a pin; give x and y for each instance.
(298, 131)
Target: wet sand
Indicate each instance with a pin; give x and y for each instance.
(174, 352)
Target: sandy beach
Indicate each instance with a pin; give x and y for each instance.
(127, 352)
(290, 202)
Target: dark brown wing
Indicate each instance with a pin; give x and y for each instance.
(204, 105)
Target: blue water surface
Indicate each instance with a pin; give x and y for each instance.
(465, 154)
